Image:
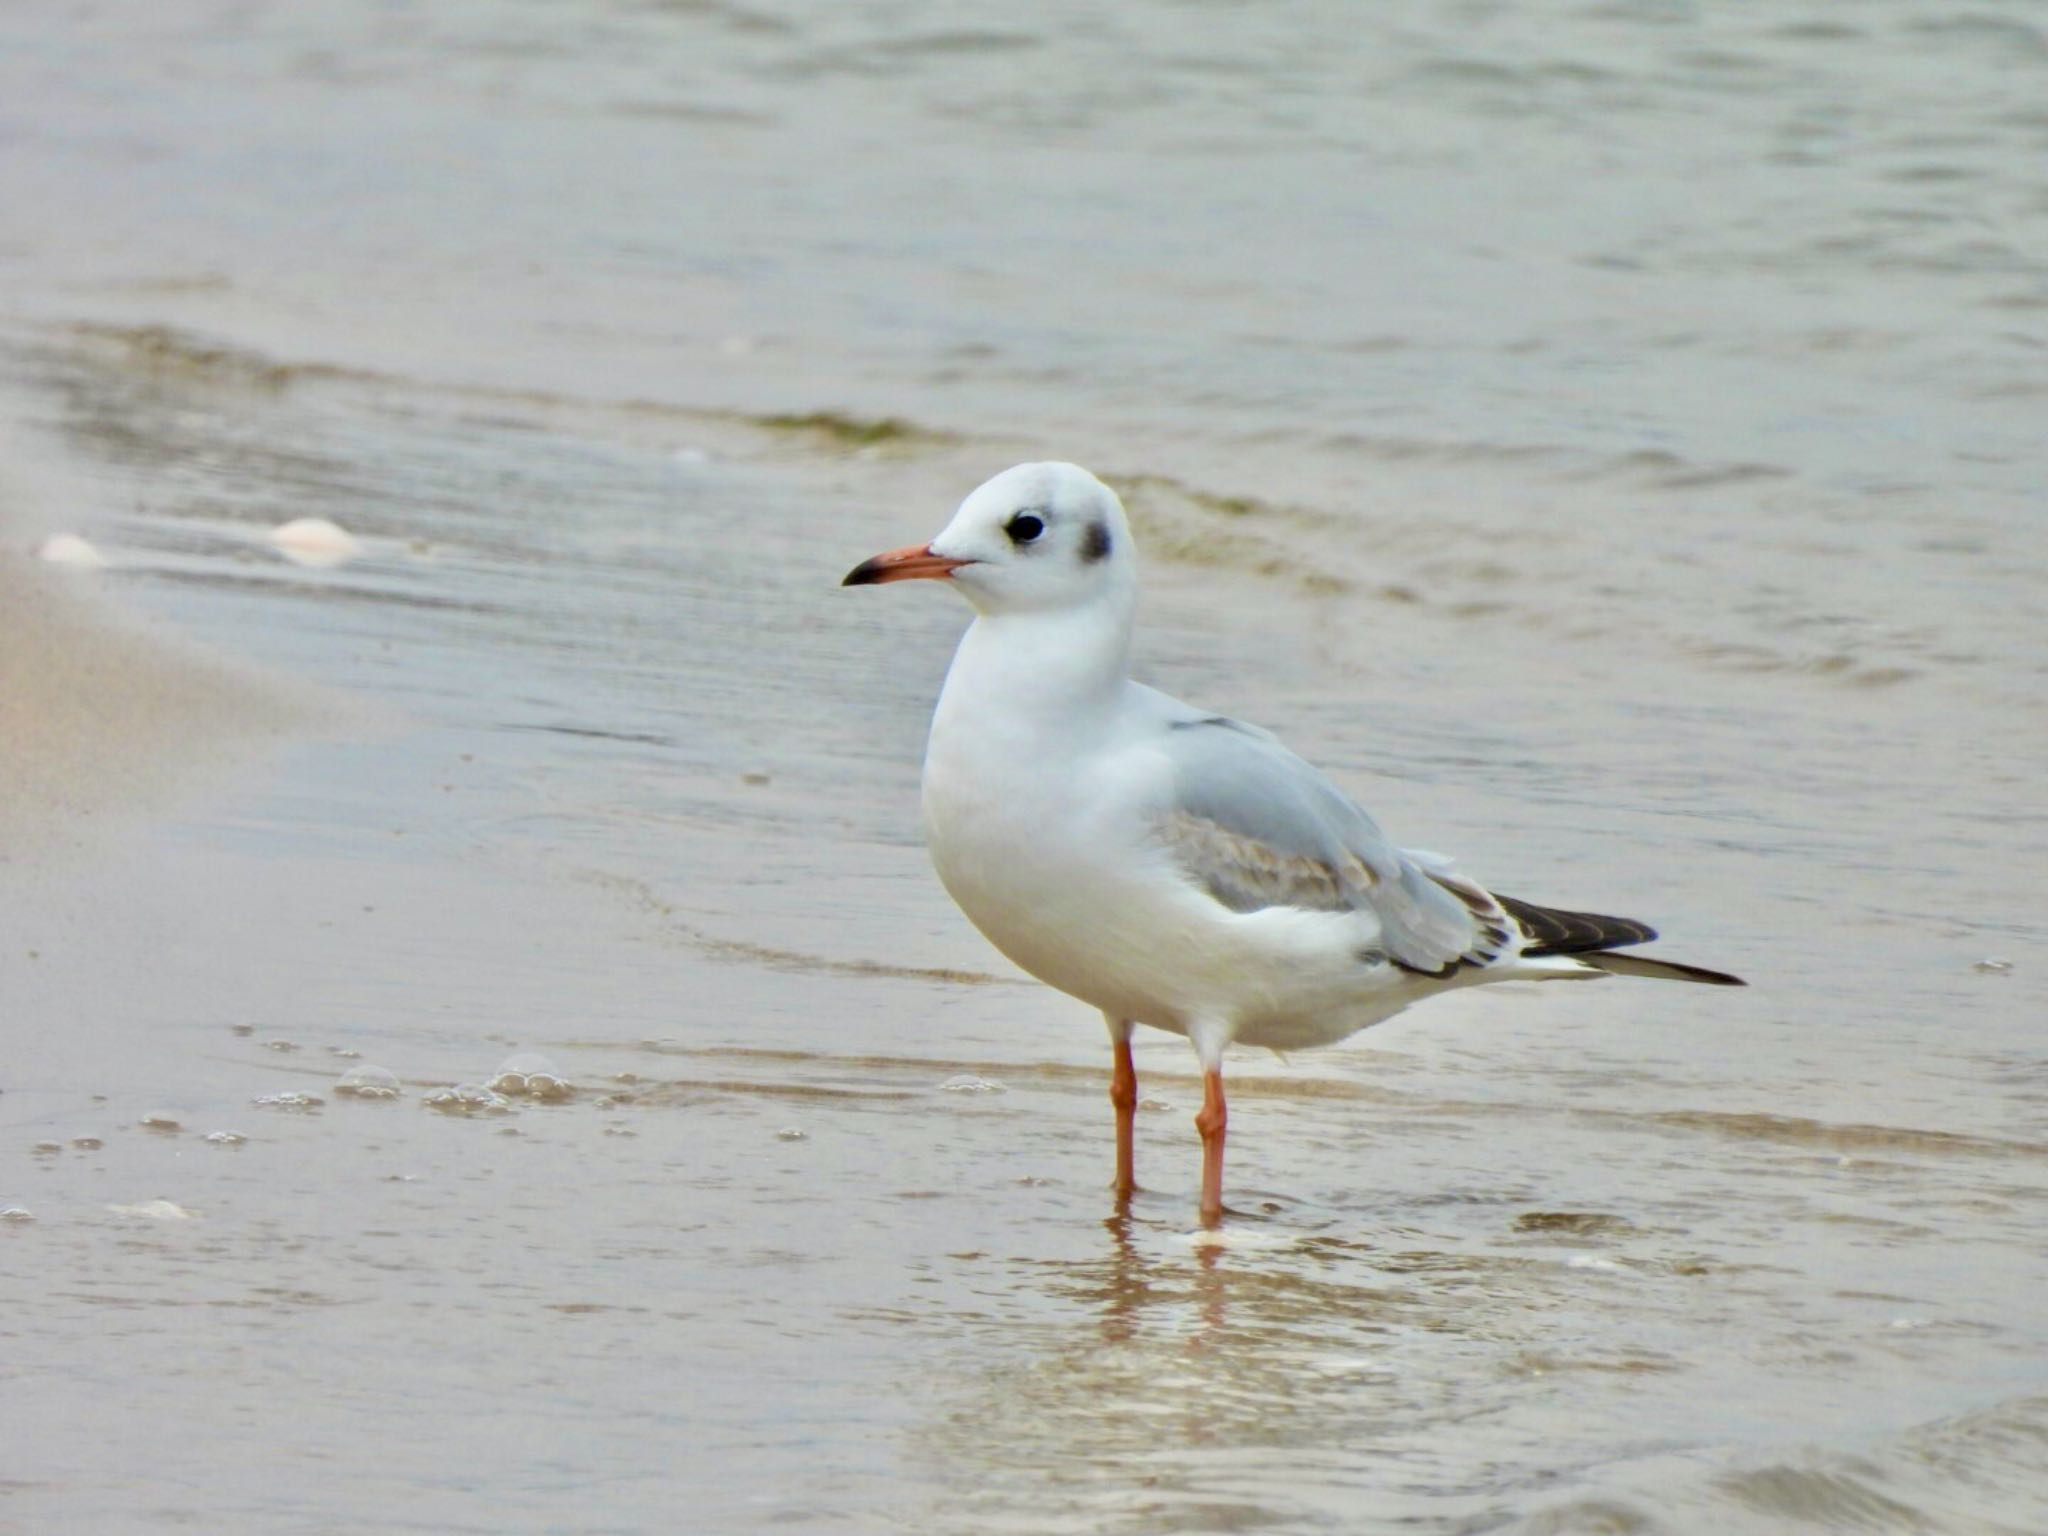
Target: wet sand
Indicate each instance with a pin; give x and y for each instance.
(1696, 582)
(106, 719)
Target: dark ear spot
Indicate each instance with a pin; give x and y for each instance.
(1095, 543)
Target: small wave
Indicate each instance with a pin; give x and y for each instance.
(1665, 470)
(2002, 33)
(1819, 32)
(1574, 1223)
(1850, 1137)
(1843, 1494)
(797, 960)
(848, 431)
(692, 112)
(1834, 666)
(163, 349)
(1470, 72)
(962, 40)
(1184, 524)
(641, 895)
(1977, 1471)
(592, 732)
(1722, 474)
(1435, 450)
(670, 1095)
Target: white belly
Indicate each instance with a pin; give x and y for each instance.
(1098, 910)
(1055, 908)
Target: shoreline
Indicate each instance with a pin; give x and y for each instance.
(108, 715)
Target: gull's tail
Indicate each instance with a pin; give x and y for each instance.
(1590, 938)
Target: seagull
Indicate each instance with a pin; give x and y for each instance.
(1169, 866)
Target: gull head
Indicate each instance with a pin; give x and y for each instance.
(1037, 537)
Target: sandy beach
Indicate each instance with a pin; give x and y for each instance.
(105, 719)
(1646, 561)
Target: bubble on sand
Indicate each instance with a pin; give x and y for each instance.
(346, 1053)
(242, 1029)
(17, 1213)
(314, 541)
(154, 1210)
(47, 1148)
(224, 1138)
(967, 1082)
(167, 1125)
(71, 551)
(283, 1047)
(791, 1133)
(530, 1075)
(87, 1143)
(292, 1101)
(468, 1099)
(1155, 1105)
(368, 1082)
(1992, 966)
(1349, 1365)
(619, 1130)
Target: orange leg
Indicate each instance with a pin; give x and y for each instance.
(1123, 1093)
(1210, 1120)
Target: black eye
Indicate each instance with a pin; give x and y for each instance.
(1024, 527)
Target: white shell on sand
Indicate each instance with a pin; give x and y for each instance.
(315, 541)
(154, 1210)
(69, 549)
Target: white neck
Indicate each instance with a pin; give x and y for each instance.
(1049, 667)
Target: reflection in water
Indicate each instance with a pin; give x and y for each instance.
(1272, 1377)
(1142, 1401)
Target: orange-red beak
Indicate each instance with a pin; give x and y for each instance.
(910, 564)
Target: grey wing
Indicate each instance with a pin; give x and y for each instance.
(1258, 827)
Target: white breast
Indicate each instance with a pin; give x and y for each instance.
(1049, 855)
(1041, 815)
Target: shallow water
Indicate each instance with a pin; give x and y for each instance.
(1613, 452)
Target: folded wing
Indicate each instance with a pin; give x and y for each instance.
(1257, 827)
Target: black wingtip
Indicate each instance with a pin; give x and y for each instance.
(1699, 973)
(1554, 931)
(1649, 965)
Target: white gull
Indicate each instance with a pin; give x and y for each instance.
(1169, 866)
